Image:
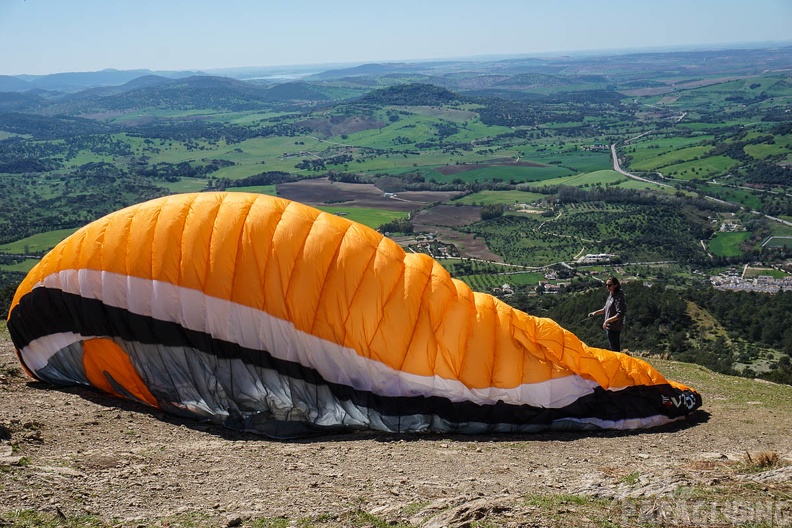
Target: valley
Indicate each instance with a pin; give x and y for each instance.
(666, 169)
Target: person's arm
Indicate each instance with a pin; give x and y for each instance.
(597, 312)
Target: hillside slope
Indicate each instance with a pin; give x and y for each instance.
(70, 457)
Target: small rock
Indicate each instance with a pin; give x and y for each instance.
(10, 460)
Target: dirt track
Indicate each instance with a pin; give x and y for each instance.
(72, 452)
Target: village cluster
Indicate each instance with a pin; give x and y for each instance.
(733, 280)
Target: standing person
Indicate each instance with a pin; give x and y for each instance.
(615, 309)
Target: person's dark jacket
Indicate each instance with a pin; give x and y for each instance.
(616, 304)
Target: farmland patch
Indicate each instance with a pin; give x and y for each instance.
(444, 221)
(340, 125)
(321, 191)
(727, 244)
(465, 167)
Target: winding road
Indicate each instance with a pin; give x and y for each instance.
(617, 167)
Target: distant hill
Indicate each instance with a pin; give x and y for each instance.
(9, 83)
(20, 102)
(147, 81)
(410, 94)
(76, 81)
(295, 91)
(41, 127)
(473, 74)
(191, 93)
(380, 69)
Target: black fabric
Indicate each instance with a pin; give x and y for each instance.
(46, 311)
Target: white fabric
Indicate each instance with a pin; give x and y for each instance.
(37, 353)
(256, 329)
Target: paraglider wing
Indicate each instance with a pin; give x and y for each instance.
(270, 316)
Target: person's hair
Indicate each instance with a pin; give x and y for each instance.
(615, 282)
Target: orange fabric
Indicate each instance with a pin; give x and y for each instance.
(103, 359)
(337, 280)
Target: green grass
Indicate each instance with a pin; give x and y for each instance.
(36, 519)
(485, 282)
(782, 146)
(582, 161)
(740, 196)
(41, 242)
(271, 190)
(727, 244)
(23, 267)
(186, 185)
(598, 178)
(504, 197)
(372, 218)
(8, 135)
(631, 478)
(755, 272)
(699, 169)
(559, 509)
(510, 173)
(521, 279)
(651, 147)
(648, 163)
(779, 242)
(736, 392)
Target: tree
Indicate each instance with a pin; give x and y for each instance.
(492, 211)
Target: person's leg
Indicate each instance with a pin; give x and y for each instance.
(614, 341)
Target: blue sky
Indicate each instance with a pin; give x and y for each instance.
(50, 36)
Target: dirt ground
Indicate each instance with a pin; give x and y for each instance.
(75, 454)
(320, 191)
(443, 220)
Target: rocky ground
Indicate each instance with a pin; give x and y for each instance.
(71, 457)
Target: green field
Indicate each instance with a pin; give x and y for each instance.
(505, 173)
(779, 242)
(756, 272)
(259, 189)
(699, 169)
(781, 147)
(727, 244)
(602, 178)
(648, 163)
(22, 267)
(372, 218)
(741, 196)
(186, 185)
(39, 243)
(504, 197)
(426, 145)
(487, 282)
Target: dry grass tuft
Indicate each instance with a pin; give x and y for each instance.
(762, 460)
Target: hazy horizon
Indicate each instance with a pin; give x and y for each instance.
(49, 36)
(305, 67)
